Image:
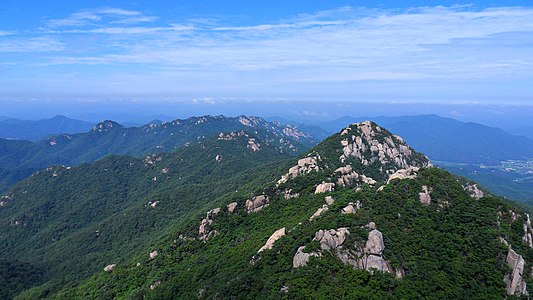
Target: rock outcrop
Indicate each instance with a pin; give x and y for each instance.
(288, 194)
(474, 191)
(272, 239)
(304, 166)
(204, 231)
(425, 197)
(301, 258)
(331, 239)
(257, 203)
(319, 212)
(329, 200)
(368, 143)
(409, 173)
(325, 187)
(515, 284)
(153, 254)
(231, 207)
(351, 208)
(369, 258)
(110, 268)
(528, 232)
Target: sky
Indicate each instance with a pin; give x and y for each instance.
(217, 52)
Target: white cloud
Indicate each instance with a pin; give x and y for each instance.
(92, 17)
(331, 47)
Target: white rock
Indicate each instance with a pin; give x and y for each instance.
(425, 197)
(329, 200)
(272, 239)
(110, 268)
(153, 254)
(257, 203)
(319, 212)
(231, 207)
(325, 187)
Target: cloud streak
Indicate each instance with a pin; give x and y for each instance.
(318, 51)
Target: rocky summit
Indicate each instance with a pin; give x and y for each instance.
(361, 215)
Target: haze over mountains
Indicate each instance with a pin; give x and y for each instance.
(465, 148)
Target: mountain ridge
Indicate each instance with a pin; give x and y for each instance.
(350, 212)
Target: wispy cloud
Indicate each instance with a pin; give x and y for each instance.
(90, 17)
(313, 51)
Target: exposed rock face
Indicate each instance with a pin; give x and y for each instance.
(231, 135)
(253, 145)
(231, 207)
(329, 200)
(110, 268)
(153, 254)
(351, 208)
(348, 176)
(515, 282)
(528, 232)
(375, 244)
(331, 239)
(319, 212)
(301, 258)
(325, 187)
(474, 191)
(425, 197)
(409, 173)
(272, 239)
(305, 165)
(362, 142)
(218, 157)
(257, 203)
(204, 231)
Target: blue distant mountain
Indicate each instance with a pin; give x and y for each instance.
(40, 129)
(450, 140)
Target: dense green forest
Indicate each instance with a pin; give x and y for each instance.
(118, 206)
(18, 159)
(437, 235)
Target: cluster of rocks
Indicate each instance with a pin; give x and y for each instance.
(257, 203)
(151, 160)
(253, 145)
(4, 199)
(348, 177)
(230, 136)
(205, 231)
(363, 142)
(293, 132)
(474, 191)
(369, 258)
(409, 173)
(304, 166)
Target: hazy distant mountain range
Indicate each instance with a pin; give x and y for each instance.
(446, 139)
(19, 158)
(40, 129)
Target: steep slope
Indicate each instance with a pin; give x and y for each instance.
(41, 129)
(362, 215)
(109, 137)
(71, 222)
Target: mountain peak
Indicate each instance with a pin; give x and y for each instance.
(106, 125)
(361, 153)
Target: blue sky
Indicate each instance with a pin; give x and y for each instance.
(220, 51)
